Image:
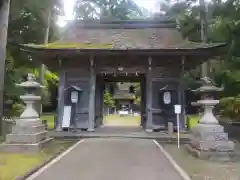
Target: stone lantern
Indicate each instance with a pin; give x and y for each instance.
(209, 141)
(28, 135)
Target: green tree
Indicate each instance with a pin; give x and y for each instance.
(28, 23)
(108, 99)
(105, 9)
(223, 26)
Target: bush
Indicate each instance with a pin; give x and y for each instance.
(13, 110)
(17, 109)
(230, 107)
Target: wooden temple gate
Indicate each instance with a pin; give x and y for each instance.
(152, 52)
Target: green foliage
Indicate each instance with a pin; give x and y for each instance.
(191, 77)
(108, 99)
(27, 23)
(230, 107)
(49, 79)
(229, 76)
(223, 25)
(105, 9)
(138, 93)
(12, 109)
(17, 109)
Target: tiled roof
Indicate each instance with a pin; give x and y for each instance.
(122, 35)
(142, 38)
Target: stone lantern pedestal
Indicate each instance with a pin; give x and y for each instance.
(209, 141)
(28, 135)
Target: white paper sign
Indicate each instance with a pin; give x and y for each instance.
(74, 96)
(66, 117)
(177, 109)
(123, 112)
(167, 97)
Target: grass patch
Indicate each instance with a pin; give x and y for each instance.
(15, 165)
(124, 120)
(192, 120)
(199, 169)
(50, 120)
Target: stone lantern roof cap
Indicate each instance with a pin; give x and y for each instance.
(208, 86)
(31, 83)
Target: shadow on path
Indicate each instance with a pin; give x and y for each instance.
(112, 159)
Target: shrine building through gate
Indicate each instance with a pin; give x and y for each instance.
(151, 52)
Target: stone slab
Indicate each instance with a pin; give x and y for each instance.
(219, 136)
(26, 138)
(122, 132)
(212, 156)
(27, 129)
(220, 146)
(24, 148)
(203, 128)
(28, 122)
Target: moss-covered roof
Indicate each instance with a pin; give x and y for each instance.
(140, 36)
(57, 45)
(81, 46)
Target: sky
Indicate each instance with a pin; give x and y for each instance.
(151, 5)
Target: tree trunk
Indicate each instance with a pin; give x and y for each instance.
(46, 39)
(203, 16)
(4, 14)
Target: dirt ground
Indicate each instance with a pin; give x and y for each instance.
(203, 170)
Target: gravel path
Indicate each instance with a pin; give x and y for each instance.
(112, 159)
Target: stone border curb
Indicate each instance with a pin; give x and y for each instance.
(181, 172)
(184, 140)
(56, 157)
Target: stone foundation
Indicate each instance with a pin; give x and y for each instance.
(211, 155)
(26, 139)
(24, 148)
(210, 142)
(28, 130)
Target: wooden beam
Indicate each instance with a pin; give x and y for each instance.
(143, 101)
(181, 97)
(60, 107)
(149, 125)
(92, 94)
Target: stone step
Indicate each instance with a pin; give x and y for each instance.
(26, 138)
(212, 156)
(218, 136)
(203, 128)
(24, 148)
(27, 129)
(161, 138)
(215, 146)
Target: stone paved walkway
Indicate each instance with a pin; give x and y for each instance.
(112, 159)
